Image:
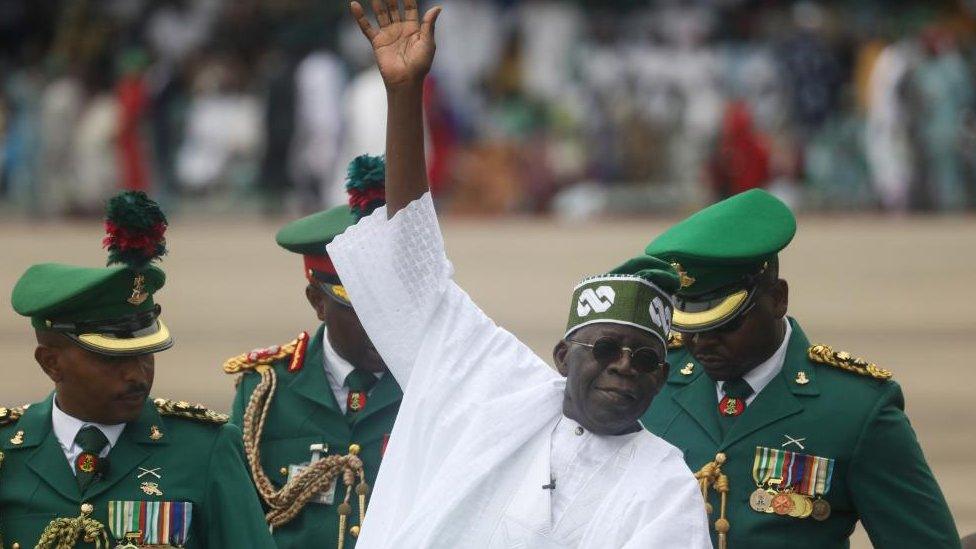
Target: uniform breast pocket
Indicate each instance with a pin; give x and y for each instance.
(279, 455)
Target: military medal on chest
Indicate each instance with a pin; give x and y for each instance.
(791, 484)
(137, 524)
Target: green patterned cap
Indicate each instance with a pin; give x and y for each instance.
(637, 293)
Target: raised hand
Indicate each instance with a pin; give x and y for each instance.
(403, 44)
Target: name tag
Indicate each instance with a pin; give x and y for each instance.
(325, 497)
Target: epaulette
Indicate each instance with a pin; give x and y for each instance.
(259, 358)
(11, 415)
(675, 341)
(823, 354)
(198, 412)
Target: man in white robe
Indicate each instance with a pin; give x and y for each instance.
(493, 448)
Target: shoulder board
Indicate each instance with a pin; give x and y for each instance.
(823, 354)
(258, 359)
(675, 341)
(11, 415)
(198, 412)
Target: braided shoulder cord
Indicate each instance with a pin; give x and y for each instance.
(285, 503)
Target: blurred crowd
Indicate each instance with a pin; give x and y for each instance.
(573, 107)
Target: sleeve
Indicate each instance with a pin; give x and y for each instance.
(677, 518)
(232, 513)
(399, 280)
(891, 485)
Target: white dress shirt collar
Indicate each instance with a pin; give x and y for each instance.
(66, 428)
(761, 375)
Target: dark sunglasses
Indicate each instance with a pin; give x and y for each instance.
(607, 350)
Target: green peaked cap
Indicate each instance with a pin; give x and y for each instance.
(718, 253)
(309, 235)
(637, 293)
(107, 310)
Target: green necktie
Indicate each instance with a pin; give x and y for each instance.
(92, 441)
(359, 383)
(736, 392)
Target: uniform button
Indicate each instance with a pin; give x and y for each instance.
(87, 508)
(15, 546)
(354, 531)
(283, 471)
(354, 449)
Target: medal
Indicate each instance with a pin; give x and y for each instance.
(782, 504)
(820, 510)
(760, 500)
(799, 504)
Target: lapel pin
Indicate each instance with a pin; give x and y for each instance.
(790, 440)
(801, 378)
(688, 369)
(18, 438)
(155, 433)
(143, 471)
(151, 489)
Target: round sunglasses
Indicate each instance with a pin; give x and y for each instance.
(607, 350)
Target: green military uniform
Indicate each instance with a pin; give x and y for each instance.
(175, 454)
(828, 434)
(175, 477)
(304, 411)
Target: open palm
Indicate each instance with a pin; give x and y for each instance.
(403, 44)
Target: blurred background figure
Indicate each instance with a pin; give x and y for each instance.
(533, 106)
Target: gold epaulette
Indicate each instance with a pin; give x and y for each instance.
(262, 358)
(198, 412)
(675, 341)
(843, 360)
(11, 415)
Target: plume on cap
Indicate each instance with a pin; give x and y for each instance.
(366, 184)
(134, 227)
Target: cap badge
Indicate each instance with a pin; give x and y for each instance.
(685, 279)
(139, 294)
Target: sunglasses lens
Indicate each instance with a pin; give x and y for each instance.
(606, 350)
(645, 360)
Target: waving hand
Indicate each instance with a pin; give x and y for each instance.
(403, 44)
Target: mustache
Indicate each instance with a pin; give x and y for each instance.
(140, 389)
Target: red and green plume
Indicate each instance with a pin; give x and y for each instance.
(134, 227)
(366, 184)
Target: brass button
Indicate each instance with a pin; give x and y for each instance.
(354, 531)
(15, 546)
(354, 449)
(283, 471)
(87, 508)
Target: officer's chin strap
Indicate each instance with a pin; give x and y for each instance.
(287, 502)
(711, 475)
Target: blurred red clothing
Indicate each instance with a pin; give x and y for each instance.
(741, 161)
(133, 99)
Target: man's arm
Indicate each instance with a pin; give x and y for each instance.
(888, 470)
(404, 49)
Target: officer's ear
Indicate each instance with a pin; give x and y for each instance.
(317, 299)
(559, 357)
(780, 293)
(49, 358)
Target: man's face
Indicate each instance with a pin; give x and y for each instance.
(730, 352)
(98, 388)
(607, 397)
(346, 333)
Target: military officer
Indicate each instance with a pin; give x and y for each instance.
(793, 442)
(317, 412)
(98, 461)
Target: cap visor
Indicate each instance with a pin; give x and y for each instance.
(701, 321)
(150, 340)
